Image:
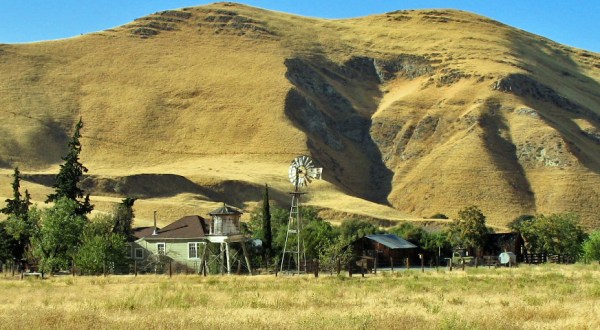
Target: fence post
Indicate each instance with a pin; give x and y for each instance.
(362, 267)
(407, 264)
(339, 266)
(450, 263)
(316, 265)
(392, 264)
(135, 268)
(349, 269)
(170, 269)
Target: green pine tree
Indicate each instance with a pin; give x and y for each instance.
(124, 215)
(17, 223)
(70, 174)
(18, 206)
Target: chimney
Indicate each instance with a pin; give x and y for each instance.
(154, 231)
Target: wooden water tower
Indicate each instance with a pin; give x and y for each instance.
(225, 230)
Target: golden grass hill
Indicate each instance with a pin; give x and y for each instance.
(410, 113)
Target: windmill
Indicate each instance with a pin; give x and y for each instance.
(302, 172)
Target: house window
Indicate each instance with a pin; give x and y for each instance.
(139, 253)
(160, 248)
(193, 250)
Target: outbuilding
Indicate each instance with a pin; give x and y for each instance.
(384, 249)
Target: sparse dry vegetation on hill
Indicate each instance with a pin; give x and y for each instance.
(409, 115)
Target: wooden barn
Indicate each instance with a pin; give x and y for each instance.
(383, 249)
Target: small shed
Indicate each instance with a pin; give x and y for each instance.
(383, 248)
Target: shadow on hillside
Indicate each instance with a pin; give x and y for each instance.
(504, 153)
(147, 186)
(550, 58)
(325, 105)
(43, 142)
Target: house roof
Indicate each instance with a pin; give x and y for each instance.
(391, 241)
(140, 232)
(191, 226)
(226, 209)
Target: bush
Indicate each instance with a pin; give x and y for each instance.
(591, 247)
(439, 216)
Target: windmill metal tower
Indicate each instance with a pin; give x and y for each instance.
(302, 171)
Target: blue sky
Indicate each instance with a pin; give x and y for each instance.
(574, 23)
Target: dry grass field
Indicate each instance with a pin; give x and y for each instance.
(409, 115)
(528, 297)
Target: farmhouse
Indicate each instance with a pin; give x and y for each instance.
(383, 249)
(194, 242)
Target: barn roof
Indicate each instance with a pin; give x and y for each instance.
(391, 241)
(191, 226)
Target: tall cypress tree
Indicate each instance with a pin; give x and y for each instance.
(268, 236)
(70, 174)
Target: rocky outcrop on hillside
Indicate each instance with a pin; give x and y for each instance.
(524, 85)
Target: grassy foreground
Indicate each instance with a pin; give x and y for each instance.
(548, 296)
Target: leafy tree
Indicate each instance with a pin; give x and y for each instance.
(316, 234)
(279, 218)
(101, 249)
(591, 247)
(334, 253)
(468, 230)
(123, 217)
(70, 174)
(353, 229)
(414, 234)
(267, 235)
(58, 236)
(520, 221)
(436, 244)
(18, 225)
(315, 230)
(554, 234)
